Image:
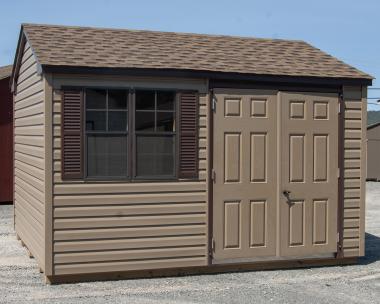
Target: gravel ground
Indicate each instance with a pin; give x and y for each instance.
(20, 281)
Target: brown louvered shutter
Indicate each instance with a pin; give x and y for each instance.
(72, 141)
(188, 137)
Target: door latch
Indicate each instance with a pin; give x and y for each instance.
(287, 193)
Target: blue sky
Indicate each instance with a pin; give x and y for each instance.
(346, 29)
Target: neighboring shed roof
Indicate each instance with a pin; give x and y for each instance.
(5, 71)
(118, 48)
(373, 118)
(369, 127)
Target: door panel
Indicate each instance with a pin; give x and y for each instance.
(257, 222)
(309, 167)
(244, 195)
(232, 220)
(232, 159)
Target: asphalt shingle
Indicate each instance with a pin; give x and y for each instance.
(119, 48)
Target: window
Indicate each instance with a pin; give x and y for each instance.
(155, 133)
(107, 133)
(111, 135)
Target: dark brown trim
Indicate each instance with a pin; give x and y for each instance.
(17, 60)
(23, 38)
(210, 158)
(177, 132)
(131, 141)
(210, 269)
(189, 130)
(131, 130)
(79, 174)
(340, 213)
(284, 87)
(214, 76)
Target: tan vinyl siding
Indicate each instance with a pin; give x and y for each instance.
(29, 156)
(354, 157)
(116, 226)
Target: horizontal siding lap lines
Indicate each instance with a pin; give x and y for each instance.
(158, 225)
(130, 265)
(177, 208)
(128, 232)
(135, 254)
(109, 199)
(29, 157)
(352, 177)
(131, 221)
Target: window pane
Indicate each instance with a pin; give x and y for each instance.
(117, 99)
(144, 121)
(165, 121)
(117, 120)
(106, 156)
(96, 120)
(145, 100)
(155, 156)
(95, 99)
(165, 100)
(117, 155)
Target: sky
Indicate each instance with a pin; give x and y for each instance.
(346, 29)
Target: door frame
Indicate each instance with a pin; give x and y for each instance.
(210, 155)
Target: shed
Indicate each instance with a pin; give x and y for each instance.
(142, 153)
(373, 152)
(6, 136)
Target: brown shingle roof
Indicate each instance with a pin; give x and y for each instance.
(117, 48)
(5, 71)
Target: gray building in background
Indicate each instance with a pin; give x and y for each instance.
(373, 151)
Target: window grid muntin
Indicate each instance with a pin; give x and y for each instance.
(156, 133)
(131, 133)
(155, 110)
(109, 133)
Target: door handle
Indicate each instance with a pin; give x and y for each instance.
(286, 193)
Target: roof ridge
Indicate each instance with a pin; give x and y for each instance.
(163, 32)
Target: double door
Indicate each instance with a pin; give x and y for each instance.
(275, 191)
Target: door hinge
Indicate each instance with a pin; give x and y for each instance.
(339, 245)
(213, 175)
(212, 245)
(338, 173)
(213, 103)
(339, 108)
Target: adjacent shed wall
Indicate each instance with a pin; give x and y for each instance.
(118, 226)
(6, 141)
(373, 149)
(29, 156)
(355, 121)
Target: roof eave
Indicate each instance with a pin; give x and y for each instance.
(23, 38)
(332, 81)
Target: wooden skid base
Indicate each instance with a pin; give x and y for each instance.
(212, 269)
